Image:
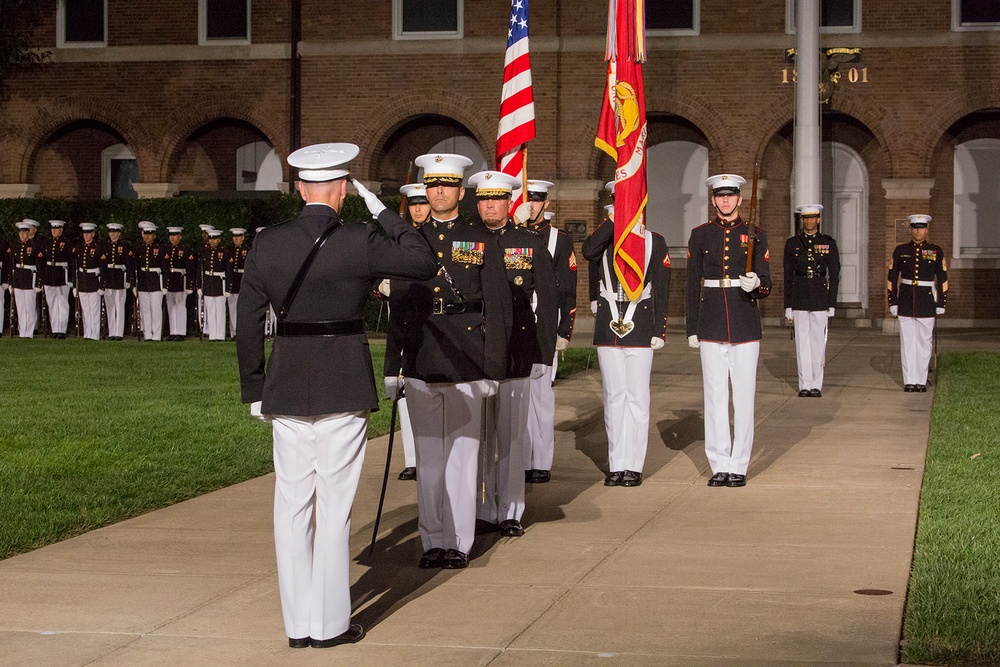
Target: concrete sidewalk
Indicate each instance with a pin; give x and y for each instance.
(808, 564)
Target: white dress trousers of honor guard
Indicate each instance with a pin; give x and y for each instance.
(177, 312)
(27, 312)
(151, 314)
(90, 314)
(114, 308)
(57, 299)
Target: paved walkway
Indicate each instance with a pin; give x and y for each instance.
(669, 573)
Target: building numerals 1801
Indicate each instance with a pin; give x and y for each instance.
(854, 75)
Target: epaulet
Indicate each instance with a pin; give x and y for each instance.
(706, 224)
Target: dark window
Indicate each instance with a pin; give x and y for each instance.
(84, 21)
(226, 19)
(670, 15)
(430, 15)
(123, 174)
(836, 13)
(980, 11)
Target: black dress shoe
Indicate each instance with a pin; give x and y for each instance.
(816, 393)
(920, 387)
(719, 479)
(455, 560)
(408, 473)
(909, 387)
(736, 480)
(432, 558)
(614, 479)
(536, 476)
(511, 528)
(631, 478)
(803, 393)
(352, 635)
(302, 642)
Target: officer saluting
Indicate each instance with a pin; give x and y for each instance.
(318, 387)
(454, 354)
(812, 275)
(723, 320)
(920, 295)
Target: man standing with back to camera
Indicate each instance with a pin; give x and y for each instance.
(318, 387)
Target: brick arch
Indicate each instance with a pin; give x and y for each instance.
(211, 109)
(875, 118)
(66, 110)
(403, 106)
(947, 115)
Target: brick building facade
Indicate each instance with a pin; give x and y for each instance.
(912, 125)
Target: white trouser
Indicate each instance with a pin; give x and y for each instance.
(90, 315)
(721, 362)
(447, 423)
(215, 318)
(916, 335)
(114, 306)
(539, 445)
(625, 378)
(555, 365)
(27, 313)
(231, 302)
(810, 346)
(503, 476)
(406, 433)
(57, 299)
(177, 313)
(151, 314)
(317, 465)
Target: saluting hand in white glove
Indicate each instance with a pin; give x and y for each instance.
(522, 214)
(371, 201)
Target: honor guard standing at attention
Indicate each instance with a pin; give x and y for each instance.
(724, 322)
(213, 288)
(53, 268)
(24, 283)
(542, 404)
(236, 259)
(318, 387)
(181, 276)
(918, 290)
(119, 274)
(454, 353)
(812, 275)
(419, 211)
(626, 333)
(535, 301)
(33, 229)
(88, 258)
(151, 267)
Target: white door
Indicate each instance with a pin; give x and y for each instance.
(845, 217)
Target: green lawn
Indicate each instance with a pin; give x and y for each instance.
(953, 606)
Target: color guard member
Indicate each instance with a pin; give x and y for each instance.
(119, 274)
(24, 283)
(53, 269)
(150, 281)
(88, 257)
(236, 259)
(213, 287)
(181, 276)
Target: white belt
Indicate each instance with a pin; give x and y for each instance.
(90, 270)
(120, 267)
(238, 270)
(920, 283)
(724, 282)
(29, 267)
(217, 274)
(177, 271)
(60, 263)
(156, 270)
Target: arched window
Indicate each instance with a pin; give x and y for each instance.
(257, 167)
(119, 170)
(977, 199)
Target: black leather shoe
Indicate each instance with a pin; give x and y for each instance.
(299, 643)
(432, 558)
(719, 479)
(511, 528)
(352, 635)
(920, 387)
(631, 478)
(408, 474)
(736, 480)
(909, 387)
(455, 560)
(803, 393)
(614, 479)
(536, 476)
(815, 393)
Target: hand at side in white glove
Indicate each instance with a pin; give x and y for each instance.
(593, 307)
(200, 293)
(383, 288)
(656, 343)
(163, 290)
(830, 312)
(693, 342)
(391, 387)
(371, 201)
(749, 282)
(788, 313)
(100, 292)
(255, 411)
(489, 387)
(894, 311)
(4, 287)
(76, 292)
(561, 343)
(939, 311)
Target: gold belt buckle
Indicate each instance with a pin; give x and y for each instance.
(726, 282)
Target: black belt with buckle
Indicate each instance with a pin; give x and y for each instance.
(327, 328)
(442, 307)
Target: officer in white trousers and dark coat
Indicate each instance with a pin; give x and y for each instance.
(535, 302)
(724, 322)
(626, 333)
(454, 354)
(812, 276)
(214, 287)
(88, 282)
(918, 290)
(25, 284)
(151, 268)
(318, 387)
(53, 269)
(119, 274)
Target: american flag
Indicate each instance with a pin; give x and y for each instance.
(517, 105)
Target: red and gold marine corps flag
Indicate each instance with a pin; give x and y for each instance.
(621, 134)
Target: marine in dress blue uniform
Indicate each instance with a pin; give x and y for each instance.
(181, 279)
(53, 269)
(24, 281)
(213, 286)
(119, 274)
(236, 259)
(88, 258)
(151, 268)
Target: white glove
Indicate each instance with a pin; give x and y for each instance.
(537, 371)
(830, 311)
(489, 387)
(939, 311)
(255, 411)
(76, 292)
(522, 214)
(187, 291)
(4, 288)
(788, 313)
(593, 307)
(371, 201)
(38, 289)
(383, 288)
(163, 290)
(199, 292)
(561, 343)
(656, 343)
(135, 292)
(749, 282)
(128, 285)
(227, 294)
(100, 292)
(894, 310)
(693, 342)
(391, 387)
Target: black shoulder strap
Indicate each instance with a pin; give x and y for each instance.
(303, 270)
